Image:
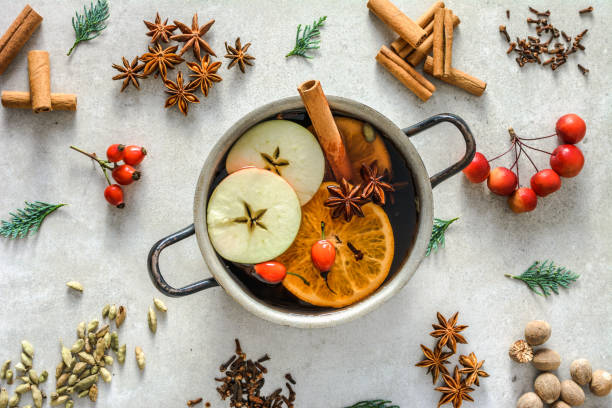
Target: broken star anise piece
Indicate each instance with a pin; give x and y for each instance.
(159, 31)
(454, 391)
(129, 73)
(192, 37)
(472, 369)
(159, 60)
(345, 199)
(434, 362)
(374, 186)
(448, 332)
(205, 74)
(181, 95)
(238, 55)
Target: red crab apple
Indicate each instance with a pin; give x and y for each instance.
(478, 170)
(570, 128)
(545, 182)
(502, 181)
(567, 160)
(523, 200)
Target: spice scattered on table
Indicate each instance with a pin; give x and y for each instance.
(27, 221)
(17, 34)
(437, 239)
(74, 285)
(130, 73)
(547, 277)
(309, 39)
(192, 37)
(88, 25)
(205, 74)
(30, 380)
(374, 404)
(181, 95)
(238, 55)
(158, 31)
(158, 60)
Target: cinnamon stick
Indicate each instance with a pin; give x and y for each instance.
(421, 52)
(459, 79)
(39, 71)
(402, 47)
(438, 43)
(407, 29)
(18, 33)
(404, 52)
(325, 128)
(22, 100)
(448, 41)
(407, 75)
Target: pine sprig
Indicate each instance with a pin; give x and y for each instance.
(437, 235)
(374, 404)
(547, 277)
(308, 40)
(88, 25)
(27, 221)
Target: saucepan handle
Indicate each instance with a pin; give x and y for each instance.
(470, 143)
(156, 276)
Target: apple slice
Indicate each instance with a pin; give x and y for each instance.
(253, 216)
(285, 148)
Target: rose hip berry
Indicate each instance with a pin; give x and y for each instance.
(567, 160)
(134, 155)
(114, 153)
(523, 200)
(323, 252)
(502, 181)
(125, 174)
(114, 195)
(270, 272)
(545, 182)
(570, 128)
(478, 170)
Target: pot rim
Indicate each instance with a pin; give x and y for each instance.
(313, 318)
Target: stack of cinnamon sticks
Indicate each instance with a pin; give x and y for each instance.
(432, 33)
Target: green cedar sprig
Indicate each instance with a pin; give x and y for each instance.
(374, 404)
(88, 25)
(547, 277)
(308, 40)
(27, 221)
(437, 235)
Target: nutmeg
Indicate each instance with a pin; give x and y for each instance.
(548, 387)
(521, 352)
(601, 383)
(560, 404)
(572, 393)
(581, 371)
(537, 332)
(546, 359)
(529, 400)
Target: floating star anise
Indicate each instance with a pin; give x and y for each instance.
(129, 73)
(158, 60)
(374, 186)
(455, 391)
(345, 199)
(159, 31)
(434, 362)
(192, 37)
(181, 95)
(472, 369)
(238, 55)
(448, 332)
(205, 74)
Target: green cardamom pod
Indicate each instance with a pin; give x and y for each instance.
(79, 367)
(75, 285)
(61, 390)
(33, 376)
(140, 357)
(62, 380)
(121, 314)
(81, 330)
(84, 374)
(152, 318)
(108, 360)
(121, 354)
(59, 400)
(105, 374)
(26, 360)
(9, 377)
(114, 341)
(93, 393)
(93, 325)
(92, 338)
(43, 377)
(4, 368)
(77, 346)
(69, 404)
(99, 351)
(3, 398)
(23, 388)
(160, 305)
(94, 369)
(88, 358)
(107, 340)
(14, 401)
(72, 379)
(66, 356)
(20, 368)
(25, 379)
(69, 390)
(105, 310)
(86, 382)
(84, 393)
(27, 348)
(103, 330)
(27, 406)
(37, 397)
(112, 312)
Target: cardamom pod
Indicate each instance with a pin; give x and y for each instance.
(121, 315)
(79, 367)
(160, 305)
(107, 340)
(75, 285)
(88, 358)
(59, 400)
(23, 388)
(27, 348)
(105, 374)
(33, 376)
(93, 325)
(43, 377)
(4, 368)
(81, 330)
(37, 397)
(88, 348)
(83, 393)
(112, 312)
(152, 318)
(26, 360)
(62, 380)
(84, 374)
(14, 401)
(27, 406)
(9, 377)
(140, 357)
(69, 404)
(121, 354)
(73, 379)
(86, 382)
(59, 369)
(4, 398)
(61, 390)
(108, 360)
(20, 368)
(99, 351)
(25, 379)
(103, 330)
(93, 393)
(95, 369)
(77, 346)
(114, 341)
(66, 356)
(91, 337)
(105, 310)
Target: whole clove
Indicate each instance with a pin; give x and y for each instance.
(502, 29)
(193, 402)
(508, 14)
(583, 69)
(586, 10)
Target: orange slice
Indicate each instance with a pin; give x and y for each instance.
(349, 279)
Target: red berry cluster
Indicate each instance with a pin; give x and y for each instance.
(123, 174)
(565, 161)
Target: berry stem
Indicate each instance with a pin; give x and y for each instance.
(322, 230)
(102, 163)
(537, 138)
(535, 148)
(534, 166)
(106, 175)
(504, 153)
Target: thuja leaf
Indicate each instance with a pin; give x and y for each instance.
(374, 404)
(437, 235)
(27, 221)
(308, 39)
(88, 25)
(545, 277)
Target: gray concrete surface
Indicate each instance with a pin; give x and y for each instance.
(374, 357)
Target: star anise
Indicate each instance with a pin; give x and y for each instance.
(158, 60)
(158, 30)
(434, 362)
(345, 199)
(181, 95)
(129, 73)
(192, 37)
(472, 369)
(454, 391)
(448, 332)
(374, 186)
(238, 55)
(205, 74)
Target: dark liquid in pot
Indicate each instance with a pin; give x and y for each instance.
(401, 208)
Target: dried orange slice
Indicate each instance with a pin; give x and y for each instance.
(350, 279)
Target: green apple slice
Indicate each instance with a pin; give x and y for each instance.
(253, 216)
(285, 148)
